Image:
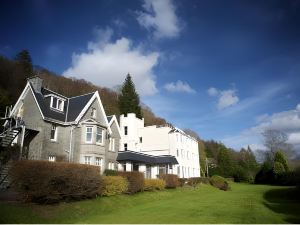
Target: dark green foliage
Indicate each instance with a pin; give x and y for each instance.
(170, 179)
(129, 101)
(108, 172)
(278, 168)
(135, 181)
(219, 182)
(182, 181)
(49, 182)
(23, 58)
(280, 158)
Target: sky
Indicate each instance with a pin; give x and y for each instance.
(226, 69)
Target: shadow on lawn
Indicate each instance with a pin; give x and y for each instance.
(285, 201)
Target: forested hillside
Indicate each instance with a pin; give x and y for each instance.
(14, 73)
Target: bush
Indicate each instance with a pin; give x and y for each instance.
(51, 182)
(113, 185)
(108, 172)
(182, 181)
(170, 179)
(219, 182)
(154, 184)
(135, 181)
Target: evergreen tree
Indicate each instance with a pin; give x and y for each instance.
(24, 60)
(129, 101)
(280, 158)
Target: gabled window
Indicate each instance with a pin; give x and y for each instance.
(93, 113)
(89, 135)
(125, 130)
(53, 132)
(112, 144)
(99, 135)
(57, 103)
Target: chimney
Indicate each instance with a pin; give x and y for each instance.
(36, 83)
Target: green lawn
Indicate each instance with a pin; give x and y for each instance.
(243, 204)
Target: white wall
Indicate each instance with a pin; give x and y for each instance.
(158, 140)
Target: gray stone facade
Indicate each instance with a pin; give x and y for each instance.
(72, 141)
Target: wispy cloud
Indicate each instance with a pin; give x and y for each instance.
(286, 121)
(179, 86)
(226, 98)
(159, 16)
(106, 63)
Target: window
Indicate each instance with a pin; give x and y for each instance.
(177, 153)
(93, 113)
(178, 170)
(87, 160)
(57, 103)
(53, 132)
(52, 158)
(182, 153)
(125, 130)
(141, 139)
(125, 147)
(112, 144)
(98, 161)
(89, 134)
(187, 155)
(99, 136)
(177, 137)
(111, 166)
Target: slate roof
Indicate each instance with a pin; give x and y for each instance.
(145, 158)
(72, 106)
(109, 118)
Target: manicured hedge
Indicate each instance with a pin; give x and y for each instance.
(170, 179)
(113, 185)
(50, 182)
(219, 182)
(135, 181)
(154, 184)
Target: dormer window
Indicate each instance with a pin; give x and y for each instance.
(57, 103)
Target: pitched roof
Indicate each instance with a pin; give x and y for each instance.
(145, 158)
(72, 106)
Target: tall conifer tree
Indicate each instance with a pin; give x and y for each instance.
(129, 101)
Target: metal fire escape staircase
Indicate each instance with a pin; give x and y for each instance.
(12, 127)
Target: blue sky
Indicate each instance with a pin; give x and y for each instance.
(226, 69)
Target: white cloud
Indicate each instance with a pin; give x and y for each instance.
(226, 98)
(213, 91)
(159, 16)
(286, 121)
(179, 86)
(106, 63)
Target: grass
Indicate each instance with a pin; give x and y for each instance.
(245, 203)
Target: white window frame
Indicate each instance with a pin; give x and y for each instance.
(94, 113)
(55, 132)
(98, 161)
(52, 158)
(97, 134)
(59, 102)
(112, 144)
(88, 160)
(86, 132)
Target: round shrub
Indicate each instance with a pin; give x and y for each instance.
(170, 179)
(135, 181)
(219, 182)
(154, 184)
(113, 185)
